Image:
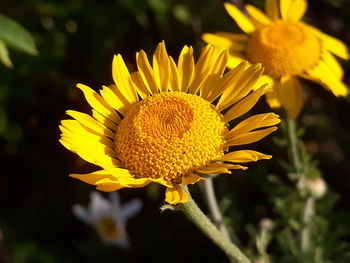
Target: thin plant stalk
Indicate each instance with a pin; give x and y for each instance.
(194, 213)
(214, 210)
(293, 143)
(305, 232)
(308, 211)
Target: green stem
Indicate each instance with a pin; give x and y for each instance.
(193, 212)
(293, 142)
(308, 211)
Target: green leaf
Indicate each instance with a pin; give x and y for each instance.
(4, 55)
(16, 36)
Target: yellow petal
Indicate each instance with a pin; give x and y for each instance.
(290, 95)
(72, 134)
(227, 82)
(110, 185)
(176, 195)
(139, 85)
(333, 64)
(202, 68)
(244, 105)
(272, 9)
(186, 67)
(234, 60)
(234, 37)
(243, 156)
(91, 123)
(223, 42)
(213, 170)
(104, 120)
(162, 182)
(332, 44)
(242, 21)
(103, 161)
(121, 180)
(250, 137)
(73, 127)
(322, 74)
(264, 79)
(115, 99)
(120, 173)
(219, 65)
(219, 168)
(191, 179)
(293, 10)
(146, 72)
(121, 77)
(79, 142)
(207, 87)
(134, 182)
(98, 103)
(272, 98)
(210, 81)
(174, 76)
(245, 84)
(107, 185)
(258, 17)
(161, 67)
(254, 122)
(92, 178)
(211, 61)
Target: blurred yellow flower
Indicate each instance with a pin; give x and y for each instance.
(163, 123)
(287, 48)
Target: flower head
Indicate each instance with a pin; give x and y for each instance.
(108, 217)
(287, 48)
(316, 187)
(165, 123)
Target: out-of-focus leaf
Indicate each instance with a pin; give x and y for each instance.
(3, 121)
(160, 6)
(134, 6)
(182, 13)
(14, 35)
(4, 55)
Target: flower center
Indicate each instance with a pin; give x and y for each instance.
(168, 135)
(284, 48)
(107, 228)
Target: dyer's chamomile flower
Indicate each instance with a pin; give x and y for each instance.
(168, 123)
(108, 217)
(287, 48)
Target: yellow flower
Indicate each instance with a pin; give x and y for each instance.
(287, 48)
(164, 123)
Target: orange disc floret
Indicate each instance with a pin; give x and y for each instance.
(168, 135)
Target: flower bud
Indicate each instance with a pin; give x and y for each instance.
(317, 187)
(267, 224)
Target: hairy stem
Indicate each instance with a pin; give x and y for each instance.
(193, 212)
(293, 143)
(308, 212)
(305, 232)
(209, 193)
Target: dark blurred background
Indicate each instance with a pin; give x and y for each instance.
(76, 40)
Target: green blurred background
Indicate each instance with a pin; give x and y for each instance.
(76, 40)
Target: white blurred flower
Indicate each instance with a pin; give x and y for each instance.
(317, 187)
(267, 224)
(108, 217)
